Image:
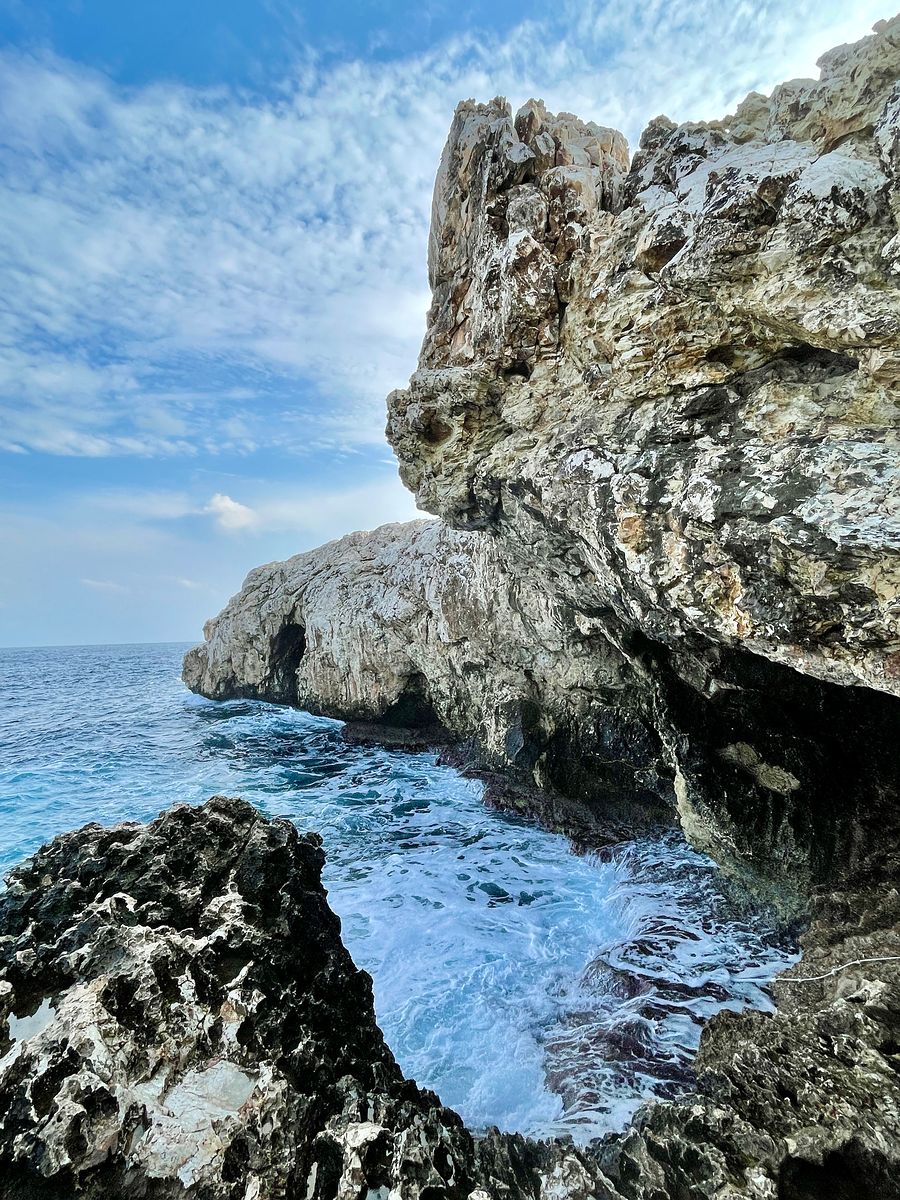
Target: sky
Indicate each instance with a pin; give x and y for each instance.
(213, 226)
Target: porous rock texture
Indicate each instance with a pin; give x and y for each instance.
(179, 1018)
(180, 1021)
(656, 413)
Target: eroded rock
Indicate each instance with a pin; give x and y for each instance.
(681, 384)
(179, 1018)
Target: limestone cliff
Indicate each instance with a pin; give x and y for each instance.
(656, 411)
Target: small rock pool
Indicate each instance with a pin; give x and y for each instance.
(532, 988)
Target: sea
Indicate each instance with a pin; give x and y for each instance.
(533, 988)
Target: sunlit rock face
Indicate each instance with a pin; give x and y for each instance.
(421, 626)
(656, 413)
(683, 383)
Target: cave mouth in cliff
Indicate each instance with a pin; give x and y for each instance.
(286, 650)
(414, 711)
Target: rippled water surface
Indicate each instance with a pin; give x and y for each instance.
(532, 988)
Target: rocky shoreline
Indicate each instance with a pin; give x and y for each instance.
(655, 418)
(179, 1017)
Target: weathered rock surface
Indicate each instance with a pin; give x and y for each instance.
(657, 407)
(656, 414)
(179, 1018)
(802, 1105)
(681, 386)
(421, 626)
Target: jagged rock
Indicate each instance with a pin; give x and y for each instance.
(801, 1105)
(681, 384)
(658, 408)
(179, 1018)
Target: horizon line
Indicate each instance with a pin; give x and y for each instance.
(97, 645)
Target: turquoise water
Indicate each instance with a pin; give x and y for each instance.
(531, 988)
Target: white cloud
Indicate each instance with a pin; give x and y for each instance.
(161, 552)
(275, 247)
(316, 515)
(231, 515)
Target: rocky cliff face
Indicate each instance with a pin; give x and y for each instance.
(681, 384)
(656, 411)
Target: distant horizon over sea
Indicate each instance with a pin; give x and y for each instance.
(89, 645)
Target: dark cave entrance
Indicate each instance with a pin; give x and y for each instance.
(286, 650)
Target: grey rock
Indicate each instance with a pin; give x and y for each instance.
(656, 412)
(180, 1019)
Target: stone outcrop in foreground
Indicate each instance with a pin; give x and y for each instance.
(656, 412)
(179, 1019)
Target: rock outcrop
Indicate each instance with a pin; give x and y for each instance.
(656, 409)
(179, 1018)
(683, 386)
(421, 626)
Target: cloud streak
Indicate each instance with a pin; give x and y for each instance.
(199, 271)
(104, 585)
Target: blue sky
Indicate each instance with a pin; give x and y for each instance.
(213, 217)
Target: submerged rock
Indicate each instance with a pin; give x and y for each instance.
(179, 1018)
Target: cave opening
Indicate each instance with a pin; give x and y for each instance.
(286, 650)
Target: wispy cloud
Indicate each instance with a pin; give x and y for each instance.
(104, 585)
(271, 250)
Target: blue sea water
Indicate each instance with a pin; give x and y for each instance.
(532, 988)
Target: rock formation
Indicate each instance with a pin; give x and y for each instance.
(655, 415)
(656, 412)
(179, 1019)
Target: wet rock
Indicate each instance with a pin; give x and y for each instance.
(179, 1018)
